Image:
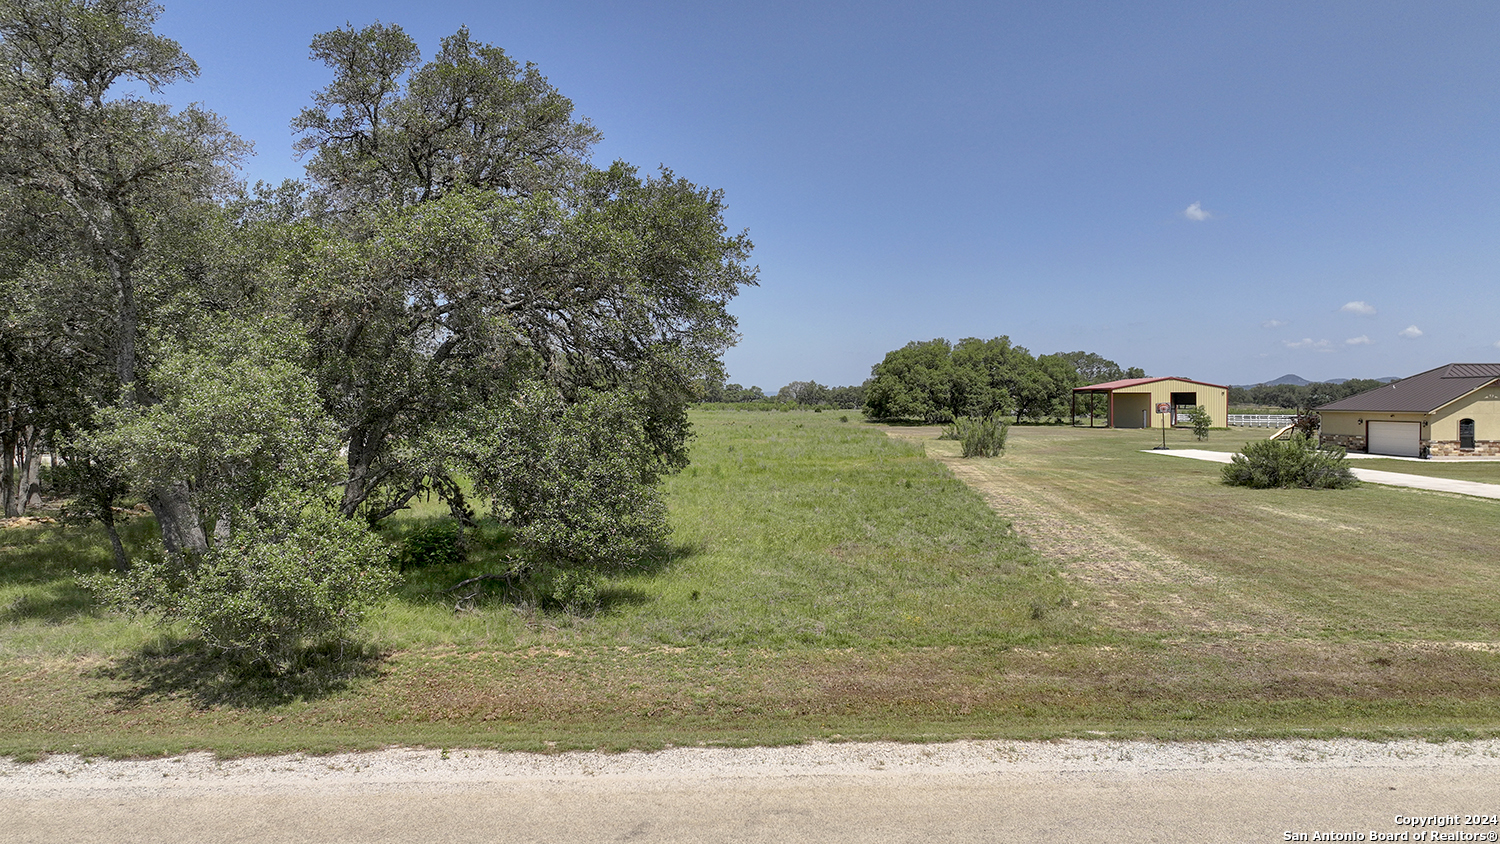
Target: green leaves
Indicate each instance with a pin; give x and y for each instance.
(978, 436)
(296, 576)
(1201, 421)
(577, 480)
(237, 416)
(1298, 462)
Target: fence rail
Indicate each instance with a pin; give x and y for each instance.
(1259, 420)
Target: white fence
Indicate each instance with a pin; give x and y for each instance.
(1259, 420)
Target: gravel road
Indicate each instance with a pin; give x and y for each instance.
(965, 791)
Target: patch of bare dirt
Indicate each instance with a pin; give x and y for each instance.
(26, 521)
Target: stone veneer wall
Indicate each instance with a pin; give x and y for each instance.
(1435, 448)
(1349, 442)
(1449, 448)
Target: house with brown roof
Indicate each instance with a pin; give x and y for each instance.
(1451, 410)
(1133, 402)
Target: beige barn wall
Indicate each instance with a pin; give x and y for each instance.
(1215, 400)
(1128, 407)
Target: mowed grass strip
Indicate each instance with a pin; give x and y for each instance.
(1375, 562)
(826, 582)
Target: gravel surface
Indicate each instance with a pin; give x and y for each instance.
(400, 768)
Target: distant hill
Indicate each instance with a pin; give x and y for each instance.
(1298, 380)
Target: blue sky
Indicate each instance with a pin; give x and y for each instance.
(1223, 191)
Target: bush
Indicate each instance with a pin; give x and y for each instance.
(1297, 462)
(579, 482)
(293, 583)
(572, 590)
(979, 436)
(433, 544)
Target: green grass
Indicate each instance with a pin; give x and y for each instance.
(1234, 439)
(1373, 562)
(827, 581)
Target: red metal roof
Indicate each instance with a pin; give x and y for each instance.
(1109, 386)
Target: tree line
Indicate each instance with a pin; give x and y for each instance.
(937, 381)
(809, 393)
(1300, 396)
(454, 301)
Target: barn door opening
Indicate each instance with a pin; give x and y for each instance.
(1181, 404)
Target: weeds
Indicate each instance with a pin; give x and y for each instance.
(978, 436)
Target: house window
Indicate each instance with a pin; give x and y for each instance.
(1466, 434)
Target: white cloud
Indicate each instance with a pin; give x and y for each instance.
(1361, 340)
(1196, 212)
(1361, 308)
(1273, 323)
(1411, 331)
(1306, 343)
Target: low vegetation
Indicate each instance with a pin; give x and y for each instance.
(1295, 462)
(826, 580)
(978, 436)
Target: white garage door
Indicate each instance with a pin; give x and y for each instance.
(1403, 439)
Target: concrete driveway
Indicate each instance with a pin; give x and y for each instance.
(1374, 476)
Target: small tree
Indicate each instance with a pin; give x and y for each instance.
(275, 569)
(1201, 421)
(1307, 423)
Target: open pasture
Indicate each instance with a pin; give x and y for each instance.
(840, 580)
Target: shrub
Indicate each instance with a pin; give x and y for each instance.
(572, 590)
(579, 482)
(297, 581)
(979, 436)
(1297, 462)
(1307, 422)
(433, 544)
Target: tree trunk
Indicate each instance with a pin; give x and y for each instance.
(10, 479)
(122, 562)
(181, 529)
(31, 475)
(364, 447)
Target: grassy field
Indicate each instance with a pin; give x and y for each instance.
(837, 580)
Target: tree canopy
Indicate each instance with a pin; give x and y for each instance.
(456, 287)
(936, 381)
